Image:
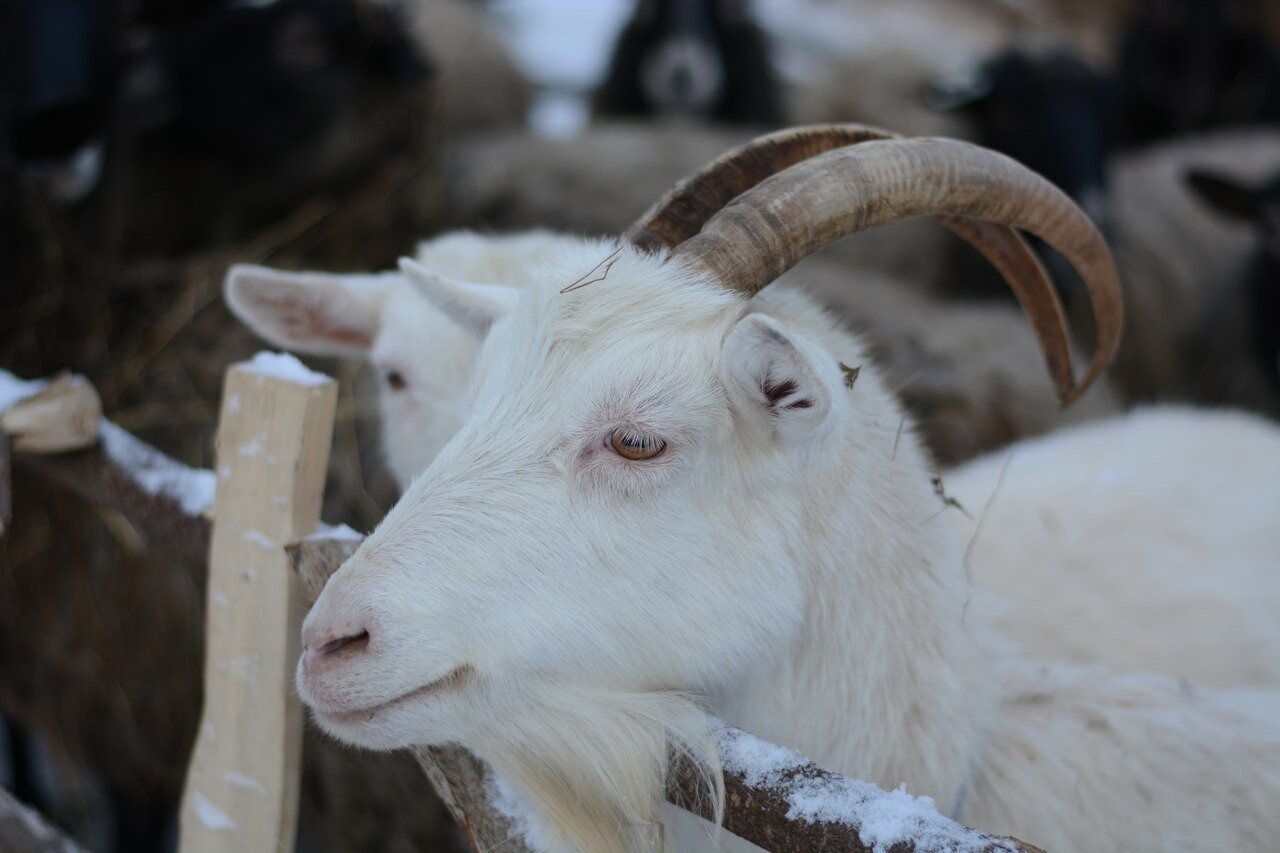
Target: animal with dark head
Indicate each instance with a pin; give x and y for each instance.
(1252, 294)
(1188, 65)
(57, 72)
(1046, 107)
(703, 59)
(244, 108)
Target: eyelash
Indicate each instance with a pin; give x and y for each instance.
(635, 446)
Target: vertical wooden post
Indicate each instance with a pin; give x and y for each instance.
(274, 434)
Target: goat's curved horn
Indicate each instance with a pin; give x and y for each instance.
(688, 205)
(686, 208)
(762, 233)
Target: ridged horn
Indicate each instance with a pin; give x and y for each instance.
(686, 208)
(763, 232)
(688, 205)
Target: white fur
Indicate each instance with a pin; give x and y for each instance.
(1060, 539)
(1149, 541)
(784, 562)
(383, 319)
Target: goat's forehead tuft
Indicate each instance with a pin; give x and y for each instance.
(645, 325)
(610, 292)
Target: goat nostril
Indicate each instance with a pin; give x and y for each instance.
(361, 639)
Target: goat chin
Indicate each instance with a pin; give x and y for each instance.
(593, 763)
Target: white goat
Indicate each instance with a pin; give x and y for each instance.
(1089, 588)
(669, 494)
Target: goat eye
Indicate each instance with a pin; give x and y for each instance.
(395, 380)
(630, 444)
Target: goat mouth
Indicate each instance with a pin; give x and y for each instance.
(452, 681)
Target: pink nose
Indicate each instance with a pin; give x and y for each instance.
(321, 648)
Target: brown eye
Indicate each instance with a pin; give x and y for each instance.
(630, 444)
(395, 380)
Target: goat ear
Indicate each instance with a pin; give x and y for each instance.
(471, 305)
(768, 369)
(1223, 194)
(308, 312)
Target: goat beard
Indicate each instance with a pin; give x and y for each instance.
(593, 763)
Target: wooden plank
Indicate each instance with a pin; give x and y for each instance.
(22, 830)
(686, 832)
(62, 416)
(100, 479)
(274, 437)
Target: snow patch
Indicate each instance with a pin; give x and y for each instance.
(525, 820)
(157, 474)
(239, 780)
(209, 814)
(257, 537)
(281, 365)
(14, 390)
(882, 818)
(340, 531)
(246, 669)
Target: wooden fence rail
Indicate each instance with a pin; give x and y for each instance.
(161, 497)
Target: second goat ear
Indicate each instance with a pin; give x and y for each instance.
(308, 312)
(472, 305)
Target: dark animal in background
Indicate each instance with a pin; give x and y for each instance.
(1187, 65)
(702, 59)
(204, 118)
(1216, 339)
(1254, 292)
(248, 107)
(252, 84)
(1047, 108)
(55, 91)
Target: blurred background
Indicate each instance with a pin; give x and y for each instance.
(145, 145)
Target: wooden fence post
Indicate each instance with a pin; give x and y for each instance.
(274, 435)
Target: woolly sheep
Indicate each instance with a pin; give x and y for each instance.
(872, 60)
(1234, 348)
(477, 84)
(671, 494)
(1175, 254)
